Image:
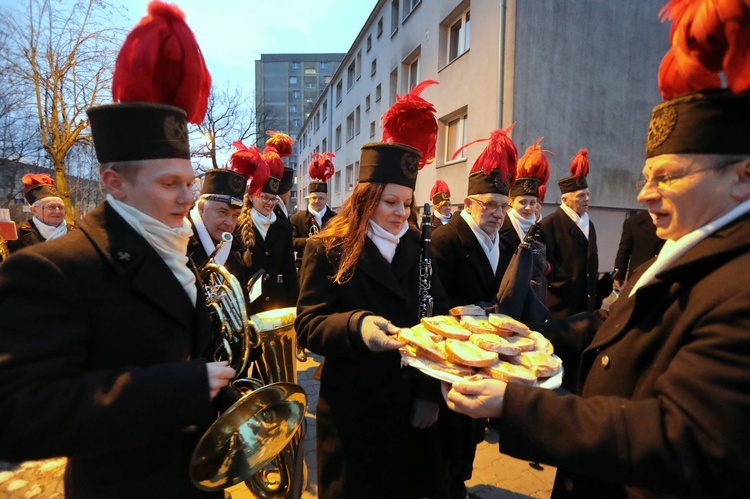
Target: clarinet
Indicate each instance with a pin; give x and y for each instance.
(425, 267)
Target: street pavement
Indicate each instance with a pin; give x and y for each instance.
(496, 476)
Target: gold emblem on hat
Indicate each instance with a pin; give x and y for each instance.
(176, 133)
(663, 121)
(410, 165)
(236, 183)
(273, 183)
(529, 186)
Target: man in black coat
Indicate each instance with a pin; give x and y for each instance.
(215, 213)
(309, 222)
(103, 329)
(471, 259)
(571, 251)
(48, 209)
(638, 244)
(282, 197)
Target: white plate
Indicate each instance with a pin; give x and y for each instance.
(549, 383)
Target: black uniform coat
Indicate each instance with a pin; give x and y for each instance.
(275, 256)
(508, 234)
(638, 244)
(435, 222)
(29, 235)
(363, 431)
(302, 224)
(280, 215)
(575, 265)
(234, 263)
(99, 361)
(666, 401)
(465, 272)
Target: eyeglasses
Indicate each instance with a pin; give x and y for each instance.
(491, 206)
(53, 208)
(267, 199)
(666, 179)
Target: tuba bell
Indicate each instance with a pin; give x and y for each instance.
(259, 417)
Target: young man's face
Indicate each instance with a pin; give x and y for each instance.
(162, 189)
(218, 217)
(318, 200)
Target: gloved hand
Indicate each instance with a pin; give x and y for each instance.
(423, 413)
(608, 301)
(379, 334)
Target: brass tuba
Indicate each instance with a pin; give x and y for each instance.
(259, 417)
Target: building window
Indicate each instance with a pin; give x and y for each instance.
(323, 65)
(326, 79)
(367, 103)
(413, 74)
(394, 16)
(316, 120)
(357, 117)
(410, 5)
(350, 127)
(369, 42)
(311, 71)
(292, 80)
(310, 86)
(350, 72)
(372, 129)
(377, 93)
(325, 110)
(296, 123)
(455, 137)
(349, 177)
(295, 65)
(337, 182)
(296, 94)
(359, 64)
(380, 27)
(337, 138)
(373, 67)
(458, 36)
(324, 144)
(339, 91)
(293, 108)
(392, 84)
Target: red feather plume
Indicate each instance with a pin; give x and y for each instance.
(249, 162)
(534, 164)
(411, 121)
(321, 166)
(33, 179)
(500, 154)
(161, 62)
(440, 186)
(708, 37)
(274, 162)
(579, 165)
(281, 142)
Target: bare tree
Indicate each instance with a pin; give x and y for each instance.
(64, 56)
(230, 116)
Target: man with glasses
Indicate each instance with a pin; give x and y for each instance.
(470, 259)
(48, 209)
(307, 223)
(272, 250)
(571, 246)
(665, 397)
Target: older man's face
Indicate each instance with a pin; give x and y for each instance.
(318, 200)
(684, 193)
(50, 211)
(578, 201)
(488, 211)
(218, 217)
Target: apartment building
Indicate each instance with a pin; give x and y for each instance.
(286, 89)
(581, 74)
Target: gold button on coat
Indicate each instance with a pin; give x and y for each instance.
(605, 361)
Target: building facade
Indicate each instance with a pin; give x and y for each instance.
(580, 74)
(286, 89)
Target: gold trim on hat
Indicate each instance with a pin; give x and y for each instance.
(175, 131)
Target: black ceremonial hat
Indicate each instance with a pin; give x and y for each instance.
(389, 163)
(225, 186)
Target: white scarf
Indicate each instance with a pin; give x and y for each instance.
(262, 222)
(318, 216)
(490, 246)
(206, 241)
(521, 224)
(672, 250)
(170, 243)
(384, 240)
(49, 232)
(282, 205)
(443, 218)
(581, 221)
